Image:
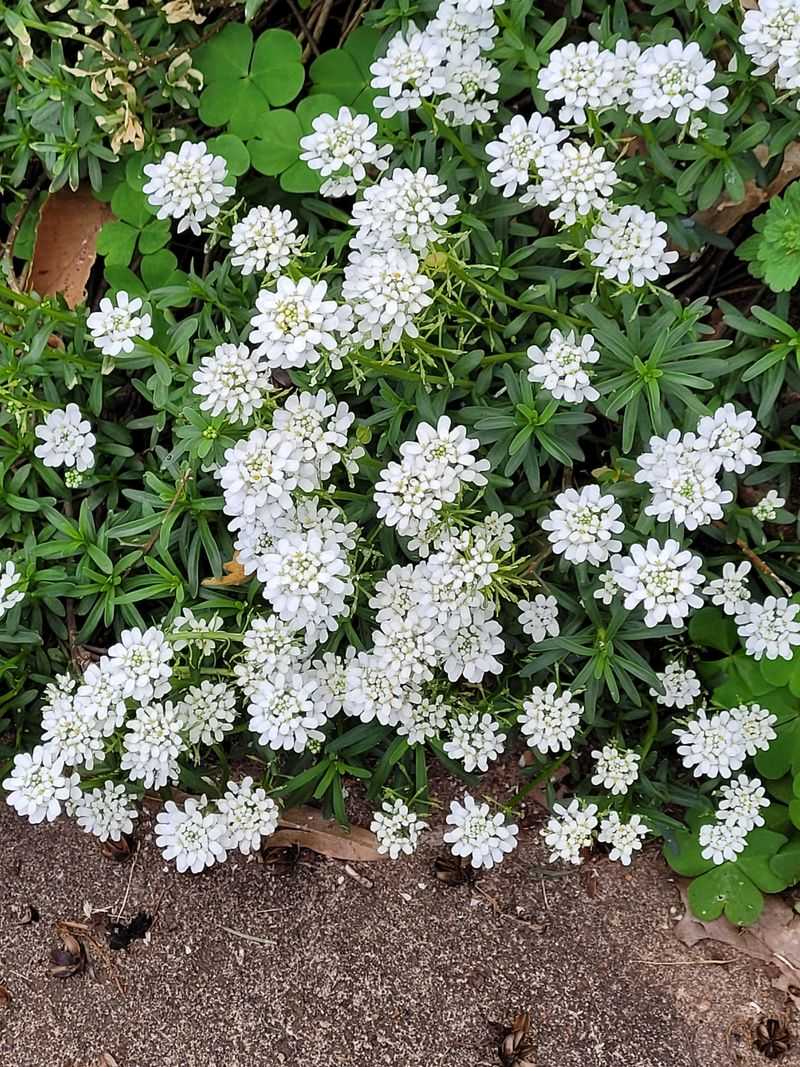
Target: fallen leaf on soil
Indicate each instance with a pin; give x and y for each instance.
(66, 244)
(5, 997)
(723, 216)
(775, 938)
(234, 575)
(516, 1046)
(307, 828)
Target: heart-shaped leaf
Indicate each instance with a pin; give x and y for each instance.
(277, 69)
(725, 889)
(278, 146)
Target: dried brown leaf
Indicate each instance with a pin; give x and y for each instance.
(307, 828)
(66, 243)
(5, 997)
(774, 938)
(723, 216)
(516, 1044)
(234, 575)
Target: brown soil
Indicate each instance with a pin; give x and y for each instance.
(402, 972)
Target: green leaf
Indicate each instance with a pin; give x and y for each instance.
(338, 73)
(710, 628)
(762, 845)
(130, 205)
(314, 106)
(300, 178)
(786, 862)
(682, 853)
(157, 269)
(278, 147)
(122, 278)
(233, 151)
(154, 236)
(778, 672)
(277, 69)
(250, 111)
(226, 57)
(725, 889)
(362, 45)
(218, 101)
(116, 242)
(776, 761)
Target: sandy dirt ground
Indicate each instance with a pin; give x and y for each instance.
(254, 964)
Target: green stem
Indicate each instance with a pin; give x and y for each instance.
(650, 736)
(501, 297)
(547, 773)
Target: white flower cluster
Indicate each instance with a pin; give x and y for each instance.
(188, 185)
(766, 510)
(413, 495)
(576, 181)
(771, 37)
(11, 592)
(444, 66)
(738, 813)
(66, 440)
(716, 745)
(265, 241)
(341, 148)
(561, 367)
(232, 381)
(571, 829)
(683, 470)
(477, 835)
(298, 550)
(681, 686)
(78, 719)
(397, 829)
(117, 323)
(198, 835)
(583, 525)
(771, 629)
(665, 81)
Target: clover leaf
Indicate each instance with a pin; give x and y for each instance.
(134, 224)
(344, 72)
(735, 887)
(244, 80)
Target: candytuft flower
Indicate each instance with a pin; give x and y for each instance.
(188, 185)
(116, 324)
(67, 439)
(483, 838)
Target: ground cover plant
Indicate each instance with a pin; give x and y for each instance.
(434, 398)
